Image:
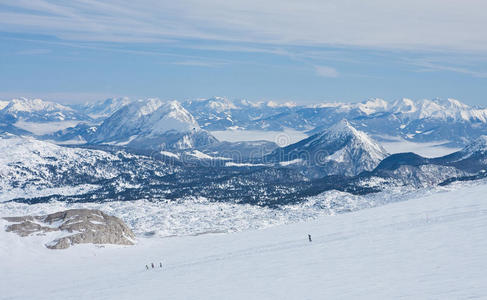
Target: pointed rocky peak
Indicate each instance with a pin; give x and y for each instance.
(344, 131)
(338, 150)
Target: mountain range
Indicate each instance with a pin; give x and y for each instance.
(152, 149)
(447, 121)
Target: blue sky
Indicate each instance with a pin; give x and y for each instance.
(302, 51)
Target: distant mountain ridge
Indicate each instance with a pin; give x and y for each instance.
(449, 121)
(37, 110)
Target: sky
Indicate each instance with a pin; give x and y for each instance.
(304, 51)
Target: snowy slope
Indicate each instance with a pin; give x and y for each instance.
(32, 168)
(430, 247)
(29, 166)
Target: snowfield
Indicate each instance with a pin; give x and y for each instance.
(428, 247)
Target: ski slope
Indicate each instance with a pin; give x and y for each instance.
(433, 247)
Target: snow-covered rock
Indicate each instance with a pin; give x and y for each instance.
(77, 226)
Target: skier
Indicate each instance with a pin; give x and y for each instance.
(160, 265)
(309, 237)
(152, 265)
(146, 267)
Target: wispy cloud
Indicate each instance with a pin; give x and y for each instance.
(326, 71)
(427, 66)
(427, 24)
(199, 63)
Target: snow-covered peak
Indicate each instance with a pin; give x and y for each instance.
(358, 139)
(216, 104)
(33, 105)
(134, 112)
(404, 105)
(127, 121)
(444, 110)
(274, 104)
(3, 104)
(152, 123)
(431, 109)
(340, 150)
(456, 104)
(342, 128)
(105, 108)
(221, 104)
(37, 110)
(373, 106)
(267, 104)
(171, 116)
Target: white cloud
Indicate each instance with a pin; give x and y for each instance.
(428, 66)
(412, 24)
(326, 71)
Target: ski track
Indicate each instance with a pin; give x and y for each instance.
(429, 247)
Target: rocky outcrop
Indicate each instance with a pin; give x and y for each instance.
(80, 225)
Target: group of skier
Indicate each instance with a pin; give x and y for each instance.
(153, 266)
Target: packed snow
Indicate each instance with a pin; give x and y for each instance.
(429, 247)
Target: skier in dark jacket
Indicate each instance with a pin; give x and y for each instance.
(309, 237)
(152, 265)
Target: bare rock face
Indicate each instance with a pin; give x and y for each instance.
(80, 225)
